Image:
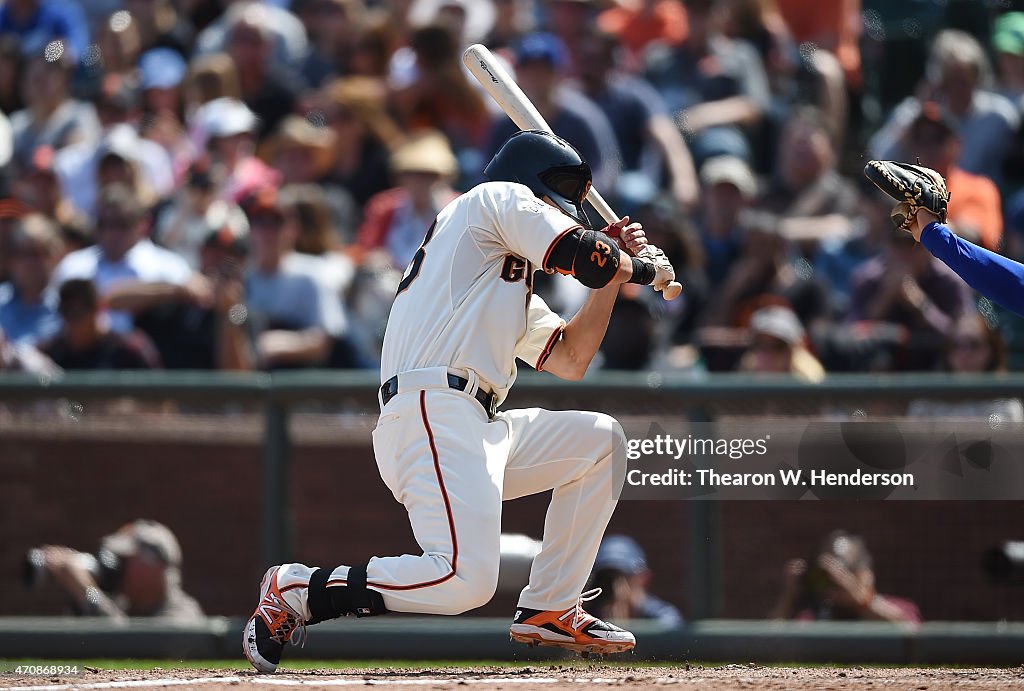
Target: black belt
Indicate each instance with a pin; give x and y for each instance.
(489, 401)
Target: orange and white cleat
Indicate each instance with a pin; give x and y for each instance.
(274, 623)
(573, 629)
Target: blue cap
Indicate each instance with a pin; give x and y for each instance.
(620, 553)
(542, 46)
(162, 68)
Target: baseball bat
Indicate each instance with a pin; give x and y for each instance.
(506, 93)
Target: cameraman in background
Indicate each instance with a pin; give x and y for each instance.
(838, 583)
(135, 573)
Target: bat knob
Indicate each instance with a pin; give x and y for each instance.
(672, 290)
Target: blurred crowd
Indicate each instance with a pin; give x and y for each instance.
(235, 184)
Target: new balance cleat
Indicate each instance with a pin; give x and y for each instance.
(573, 629)
(272, 625)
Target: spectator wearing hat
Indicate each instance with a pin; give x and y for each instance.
(958, 77)
(50, 117)
(541, 61)
(729, 187)
(225, 129)
(647, 138)
(140, 575)
(396, 220)
(621, 572)
(86, 341)
(161, 74)
(28, 310)
(1008, 42)
(715, 87)
(201, 324)
(295, 319)
(38, 187)
(123, 252)
(355, 109)
(778, 346)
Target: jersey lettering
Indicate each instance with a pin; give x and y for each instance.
(600, 255)
(417, 261)
(514, 269)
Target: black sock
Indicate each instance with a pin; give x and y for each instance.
(342, 600)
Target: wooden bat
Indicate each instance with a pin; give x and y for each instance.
(507, 94)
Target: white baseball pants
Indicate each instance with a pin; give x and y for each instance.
(452, 467)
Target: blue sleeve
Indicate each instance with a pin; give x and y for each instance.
(994, 276)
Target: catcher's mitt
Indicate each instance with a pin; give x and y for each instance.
(913, 187)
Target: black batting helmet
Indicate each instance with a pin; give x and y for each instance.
(548, 165)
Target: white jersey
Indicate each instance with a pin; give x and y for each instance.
(466, 300)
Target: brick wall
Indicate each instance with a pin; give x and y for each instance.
(73, 490)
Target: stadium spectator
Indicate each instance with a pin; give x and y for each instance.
(51, 117)
(12, 70)
(431, 92)
(834, 27)
(397, 219)
(728, 187)
(647, 138)
(135, 573)
(974, 205)
(86, 340)
(303, 154)
(11, 209)
(162, 24)
(778, 346)
(908, 287)
(715, 87)
(269, 89)
(333, 27)
(122, 252)
(540, 63)
(200, 324)
(957, 77)
(225, 129)
(355, 108)
(195, 211)
(28, 309)
(283, 37)
(621, 572)
(38, 187)
(513, 19)
(162, 72)
(78, 166)
(811, 198)
(838, 583)
(567, 20)
(1008, 42)
(294, 318)
(974, 346)
(638, 25)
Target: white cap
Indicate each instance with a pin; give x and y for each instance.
(225, 117)
(732, 170)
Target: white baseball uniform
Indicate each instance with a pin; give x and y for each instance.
(466, 307)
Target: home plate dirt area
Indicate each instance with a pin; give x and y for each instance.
(545, 676)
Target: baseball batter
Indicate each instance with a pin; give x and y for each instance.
(464, 312)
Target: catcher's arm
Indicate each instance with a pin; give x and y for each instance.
(996, 277)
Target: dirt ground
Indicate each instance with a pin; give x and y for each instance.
(554, 677)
